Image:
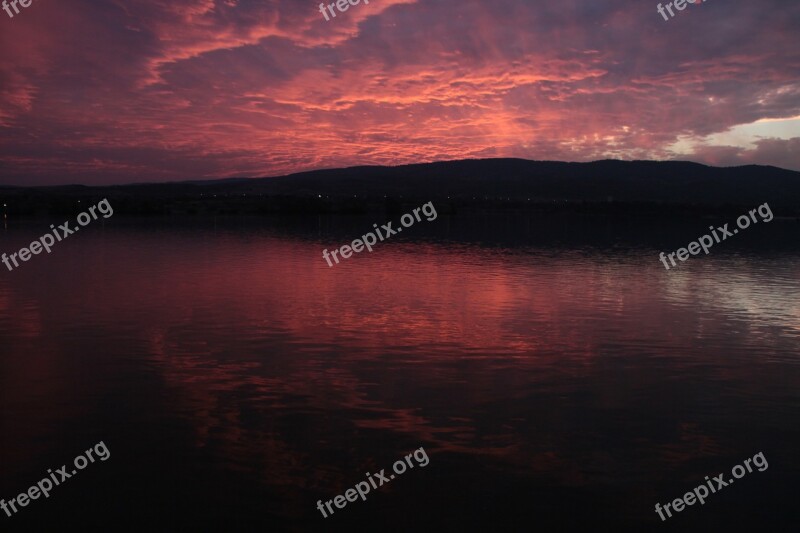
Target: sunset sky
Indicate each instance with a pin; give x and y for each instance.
(122, 91)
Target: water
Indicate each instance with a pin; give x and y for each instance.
(556, 375)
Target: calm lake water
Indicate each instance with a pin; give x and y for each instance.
(557, 376)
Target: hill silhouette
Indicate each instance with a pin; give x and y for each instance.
(608, 185)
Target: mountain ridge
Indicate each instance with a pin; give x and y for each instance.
(495, 181)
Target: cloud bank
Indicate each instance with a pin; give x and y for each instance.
(156, 90)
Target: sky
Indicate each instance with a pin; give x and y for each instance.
(124, 91)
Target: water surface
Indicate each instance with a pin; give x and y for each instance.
(557, 376)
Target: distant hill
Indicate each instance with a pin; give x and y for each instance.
(482, 183)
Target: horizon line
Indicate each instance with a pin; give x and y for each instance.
(324, 169)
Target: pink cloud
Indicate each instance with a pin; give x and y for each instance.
(166, 90)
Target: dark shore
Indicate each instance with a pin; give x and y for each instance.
(613, 188)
